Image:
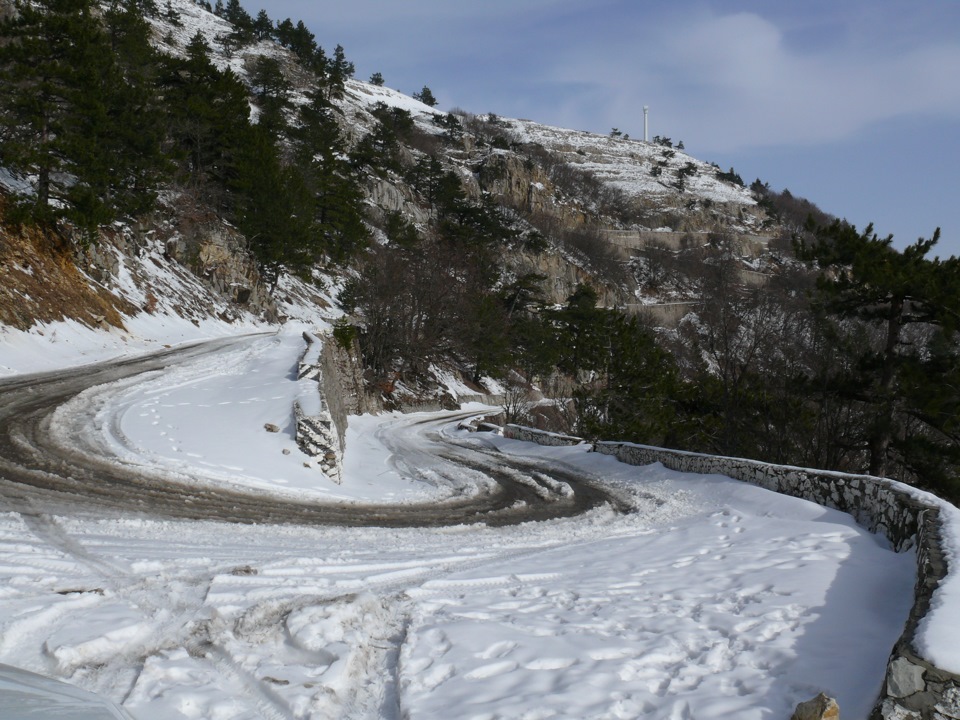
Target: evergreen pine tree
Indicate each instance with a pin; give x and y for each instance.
(263, 26)
(337, 197)
(339, 70)
(273, 210)
(300, 40)
(426, 97)
(209, 119)
(284, 32)
(73, 93)
(272, 91)
(172, 15)
(139, 124)
(902, 368)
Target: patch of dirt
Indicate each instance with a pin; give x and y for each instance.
(39, 282)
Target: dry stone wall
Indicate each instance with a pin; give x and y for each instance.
(876, 504)
(914, 688)
(541, 437)
(317, 434)
(342, 384)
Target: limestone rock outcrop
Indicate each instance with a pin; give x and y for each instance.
(819, 708)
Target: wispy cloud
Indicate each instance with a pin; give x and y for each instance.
(733, 81)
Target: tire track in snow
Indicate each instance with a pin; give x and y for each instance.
(46, 529)
(44, 475)
(65, 472)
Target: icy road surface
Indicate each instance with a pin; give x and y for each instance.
(706, 599)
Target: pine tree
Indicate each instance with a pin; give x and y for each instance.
(35, 69)
(426, 97)
(73, 94)
(903, 364)
(243, 25)
(272, 91)
(172, 15)
(339, 70)
(337, 197)
(284, 32)
(298, 38)
(263, 26)
(273, 210)
(638, 394)
(209, 119)
(139, 125)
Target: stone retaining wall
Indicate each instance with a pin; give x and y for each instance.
(913, 689)
(317, 434)
(342, 385)
(541, 437)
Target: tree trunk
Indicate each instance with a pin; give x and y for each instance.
(881, 434)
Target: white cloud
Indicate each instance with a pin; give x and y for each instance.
(723, 81)
(732, 81)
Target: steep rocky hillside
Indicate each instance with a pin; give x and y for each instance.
(593, 202)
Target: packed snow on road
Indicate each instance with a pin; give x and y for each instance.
(709, 598)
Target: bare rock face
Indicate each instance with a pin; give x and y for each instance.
(820, 708)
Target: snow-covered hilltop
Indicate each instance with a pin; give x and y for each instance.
(641, 169)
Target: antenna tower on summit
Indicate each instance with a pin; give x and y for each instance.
(646, 136)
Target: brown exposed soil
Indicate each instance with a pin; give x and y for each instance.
(39, 282)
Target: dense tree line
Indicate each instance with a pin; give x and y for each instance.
(96, 121)
(849, 363)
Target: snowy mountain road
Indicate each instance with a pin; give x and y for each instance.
(60, 462)
(159, 548)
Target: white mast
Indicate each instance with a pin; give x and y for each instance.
(646, 137)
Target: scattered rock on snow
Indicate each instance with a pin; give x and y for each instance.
(270, 427)
(820, 708)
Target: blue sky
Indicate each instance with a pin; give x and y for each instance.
(852, 104)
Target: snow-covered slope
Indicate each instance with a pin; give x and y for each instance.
(629, 164)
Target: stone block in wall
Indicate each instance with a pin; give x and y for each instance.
(317, 438)
(819, 708)
(889, 710)
(949, 704)
(904, 678)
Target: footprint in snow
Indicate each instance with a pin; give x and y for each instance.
(492, 670)
(611, 654)
(550, 664)
(497, 650)
(438, 675)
